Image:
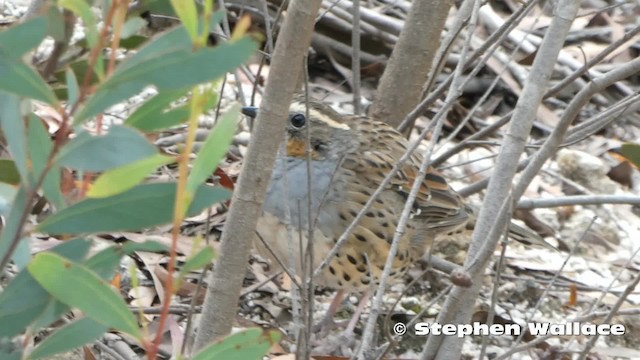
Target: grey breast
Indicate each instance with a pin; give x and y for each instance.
(288, 192)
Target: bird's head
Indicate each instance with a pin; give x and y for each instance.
(329, 136)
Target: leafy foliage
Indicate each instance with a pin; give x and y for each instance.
(47, 160)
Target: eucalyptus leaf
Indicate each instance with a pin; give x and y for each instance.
(79, 287)
(123, 178)
(22, 80)
(69, 337)
(153, 114)
(167, 69)
(10, 234)
(214, 148)
(141, 207)
(632, 153)
(24, 301)
(188, 14)
(40, 147)
(7, 194)
(9, 172)
(19, 39)
(15, 133)
(247, 345)
(198, 261)
(106, 262)
(121, 146)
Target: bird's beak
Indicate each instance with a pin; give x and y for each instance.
(250, 111)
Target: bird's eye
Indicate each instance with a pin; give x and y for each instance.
(298, 120)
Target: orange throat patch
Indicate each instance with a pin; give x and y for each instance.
(297, 148)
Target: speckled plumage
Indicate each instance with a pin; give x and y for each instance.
(351, 155)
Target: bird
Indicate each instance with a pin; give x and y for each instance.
(349, 156)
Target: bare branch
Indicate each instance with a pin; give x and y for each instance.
(578, 200)
(401, 84)
(459, 304)
(221, 301)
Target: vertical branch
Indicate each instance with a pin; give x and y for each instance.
(355, 58)
(459, 304)
(401, 84)
(307, 265)
(221, 300)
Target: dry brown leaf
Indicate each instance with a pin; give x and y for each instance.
(49, 116)
(185, 245)
(142, 296)
(87, 353)
(573, 295)
(151, 262)
(176, 333)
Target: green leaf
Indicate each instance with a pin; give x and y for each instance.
(15, 133)
(167, 69)
(52, 312)
(141, 207)
(40, 147)
(10, 352)
(188, 15)
(12, 225)
(133, 42)
(19, 39)
(7, 194)
(214, 148)
(80, 68)
(160, 7)
(132, 26)
(632, 153)
(121, 146)
(152, 116)
(69, 337)
(82, 9)
(216, 18)
(172, 40)
(56, 23)
(23, 300)
(73, 89)
(247, 345)
(106, 262)
(198, 261)
(9, 172)
(123, 178)
(79, 287)
(22, 255)
(74, 250)
(20, 79)
(148, 246)
(174, 70)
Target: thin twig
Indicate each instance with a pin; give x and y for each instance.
(556, 275)
(487, 48)
(176, 309)
(607, 320)
(367, 336)
(589, 64)
(355, 58)
(495, 210)
(494, 292)
(578, 200)
(285, 268)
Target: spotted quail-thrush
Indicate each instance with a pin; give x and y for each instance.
(350, 156)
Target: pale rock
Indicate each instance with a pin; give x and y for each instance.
(585, 169)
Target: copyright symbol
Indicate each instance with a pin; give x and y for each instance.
(399, 328)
